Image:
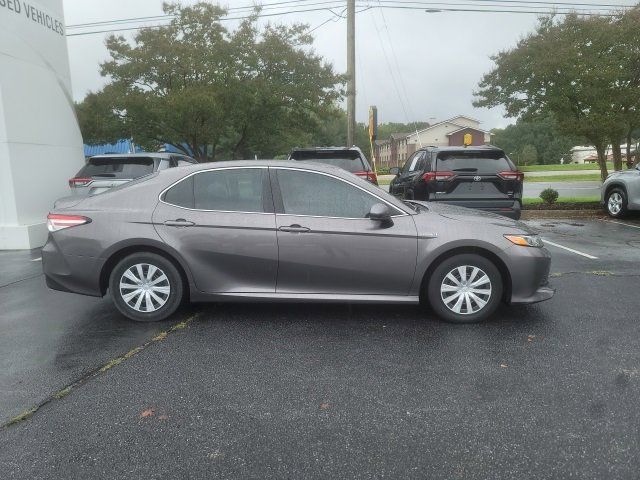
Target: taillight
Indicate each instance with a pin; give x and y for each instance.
(510, 175)
(57, 222)
(369, 176)
(430, 176)
(79, 182)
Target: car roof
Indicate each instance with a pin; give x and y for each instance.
(164, 155)
(269, 163)
(326, 149)
(475, 148)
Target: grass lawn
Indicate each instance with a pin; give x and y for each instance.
(559, 168)
(580, 177)
(537, 201)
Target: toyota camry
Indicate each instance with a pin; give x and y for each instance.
(277, 231)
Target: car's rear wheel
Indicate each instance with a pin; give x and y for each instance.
(465, 288)
(616, 203)
(146, 287)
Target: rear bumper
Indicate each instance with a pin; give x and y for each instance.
(71, 273)
(511, 209)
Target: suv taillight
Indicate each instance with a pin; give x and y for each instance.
(430, 176)
(57, 222)
(79, 182)
(510, 175)
(369, 176)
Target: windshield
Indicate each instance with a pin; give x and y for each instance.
(120, 168)
(473, 162)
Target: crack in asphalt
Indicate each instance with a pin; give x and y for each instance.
(21, 280)
(595, 273)
(27, 414)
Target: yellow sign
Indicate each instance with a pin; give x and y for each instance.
(468, 139)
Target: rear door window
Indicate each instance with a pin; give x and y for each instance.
(233, 190)
(478, 163)
(119, 168)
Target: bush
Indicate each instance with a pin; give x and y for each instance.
(549, 196)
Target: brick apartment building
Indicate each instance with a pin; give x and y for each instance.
(394, 150)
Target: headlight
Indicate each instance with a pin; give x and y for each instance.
(525, 240)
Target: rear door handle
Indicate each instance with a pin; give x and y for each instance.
(180, 222)
(295, 228)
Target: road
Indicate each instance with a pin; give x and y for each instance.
(565, 189)
(333, 391)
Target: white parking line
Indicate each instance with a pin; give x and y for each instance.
(622, 223)
(577, 252)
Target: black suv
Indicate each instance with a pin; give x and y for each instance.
(351, 159)
(476, 177)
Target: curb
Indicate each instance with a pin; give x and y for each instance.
(534, 214)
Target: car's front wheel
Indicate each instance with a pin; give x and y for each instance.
(465, 288)
(616, 203)
(146, 287)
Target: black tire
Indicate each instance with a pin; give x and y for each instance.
(616, 198)
(437, 298)
(147, 260)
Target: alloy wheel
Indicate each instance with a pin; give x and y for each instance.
(615, 203)
(145, 287)
(465, 290)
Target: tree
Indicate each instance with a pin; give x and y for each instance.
(529, 155)
(580, 69)
(225, 94)
(542, 133)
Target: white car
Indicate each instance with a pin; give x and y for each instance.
(621, 192)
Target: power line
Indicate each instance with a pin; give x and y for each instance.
(439, 7)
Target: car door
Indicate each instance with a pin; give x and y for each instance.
(327, 246)
(403, 183)
(222, 223)
(633, 189)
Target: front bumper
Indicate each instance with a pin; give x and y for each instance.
(529, 269)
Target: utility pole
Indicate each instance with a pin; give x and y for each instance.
(351, 72)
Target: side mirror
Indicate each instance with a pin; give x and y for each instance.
(394, 171)
(381, 213)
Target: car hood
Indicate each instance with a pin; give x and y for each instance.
(631, 171)
(475, 217)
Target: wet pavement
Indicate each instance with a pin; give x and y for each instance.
(336, 391)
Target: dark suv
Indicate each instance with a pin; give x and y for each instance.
(476, 177)
(350, 159)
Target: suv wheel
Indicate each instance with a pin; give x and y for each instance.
(465, 288)
(146, 287)
(616, 203)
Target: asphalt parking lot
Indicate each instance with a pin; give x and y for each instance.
(331, 391)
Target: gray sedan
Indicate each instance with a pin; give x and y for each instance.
(273, 231)
(621, 192)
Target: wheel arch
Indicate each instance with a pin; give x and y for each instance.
(124, 249)
(613, 186)
(477, 250)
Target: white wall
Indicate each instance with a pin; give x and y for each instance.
(40, 142)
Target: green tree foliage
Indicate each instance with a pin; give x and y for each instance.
(542, 133)
(226, 94)
(583, 70)
(529, 155)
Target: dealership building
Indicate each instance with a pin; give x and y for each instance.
(40, 142)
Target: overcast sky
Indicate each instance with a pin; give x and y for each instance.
(437, 58)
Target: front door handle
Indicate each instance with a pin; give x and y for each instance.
(180, 222)
(295, 228)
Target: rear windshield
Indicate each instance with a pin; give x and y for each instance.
(473, 162)
(128, 168)
(347, 160)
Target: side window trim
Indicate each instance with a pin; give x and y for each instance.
(265, 201)
(279, 204)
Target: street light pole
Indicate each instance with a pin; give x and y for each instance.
(351, 72)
